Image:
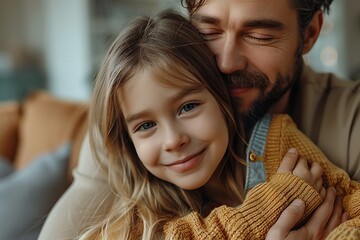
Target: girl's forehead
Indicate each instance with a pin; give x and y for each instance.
(146, 84)
(169, 76)
(174, 76)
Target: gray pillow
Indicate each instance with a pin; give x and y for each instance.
(5, 167)
(27, 196)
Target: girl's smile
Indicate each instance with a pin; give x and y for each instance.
(187, 163)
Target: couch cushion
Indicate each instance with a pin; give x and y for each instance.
(27, 195)
(46, 123)
(9, 122)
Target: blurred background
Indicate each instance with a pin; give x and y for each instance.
(57, 45)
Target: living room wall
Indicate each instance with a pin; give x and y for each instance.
(53, 33)
(67, 37)
(64, 41)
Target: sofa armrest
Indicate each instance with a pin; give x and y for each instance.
(9, 125)
(48, 122)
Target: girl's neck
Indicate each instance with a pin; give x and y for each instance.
(216, 195)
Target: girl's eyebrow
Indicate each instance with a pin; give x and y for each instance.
(136, 116)
(178, 96)
(183, 93)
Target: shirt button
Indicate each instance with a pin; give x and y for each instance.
(253, 157)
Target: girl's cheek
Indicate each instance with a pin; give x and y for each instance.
(147, 151)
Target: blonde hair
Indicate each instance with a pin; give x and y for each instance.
(165, 43)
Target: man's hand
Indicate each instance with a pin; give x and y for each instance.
(325, 218)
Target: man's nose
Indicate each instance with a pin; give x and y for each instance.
(230, 58)
(174, 138)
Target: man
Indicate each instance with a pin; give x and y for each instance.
(258, 45)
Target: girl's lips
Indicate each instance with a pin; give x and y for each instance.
(187, 163)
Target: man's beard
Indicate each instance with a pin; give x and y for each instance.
(261, 105)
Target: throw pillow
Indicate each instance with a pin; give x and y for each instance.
(27, 195)
(5, 168)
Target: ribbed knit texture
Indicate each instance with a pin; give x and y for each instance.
(283, 134)
(253, 218)
(265, 202)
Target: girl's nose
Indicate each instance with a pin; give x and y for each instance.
(175, 139)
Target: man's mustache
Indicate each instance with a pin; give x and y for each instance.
(245, 79)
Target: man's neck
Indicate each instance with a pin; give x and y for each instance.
(282, 105)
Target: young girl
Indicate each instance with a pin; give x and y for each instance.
(164, 118)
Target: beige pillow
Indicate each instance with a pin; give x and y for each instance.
(9, 123)
(46, 124)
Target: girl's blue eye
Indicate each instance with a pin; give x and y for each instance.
(146, 126)
(188, 107)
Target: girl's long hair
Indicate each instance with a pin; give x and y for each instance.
(167, 44)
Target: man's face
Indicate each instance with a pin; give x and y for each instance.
(256, 45)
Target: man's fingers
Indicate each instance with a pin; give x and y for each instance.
(287, 220)
(319, 220)
(335, 218)
(323, 193)
(291, 215)
(289, 161)
(344, 217)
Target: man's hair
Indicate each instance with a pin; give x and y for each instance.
(306, 8)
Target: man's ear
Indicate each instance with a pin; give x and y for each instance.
(312, 31)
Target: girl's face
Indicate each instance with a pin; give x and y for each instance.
(179, 134)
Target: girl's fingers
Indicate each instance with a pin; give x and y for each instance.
(316, 169)
(299, 166)
(316, 173)
(302, 165)
(310, 172)
(289, 161)
(302, 170)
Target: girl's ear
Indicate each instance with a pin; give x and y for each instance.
(312, 31)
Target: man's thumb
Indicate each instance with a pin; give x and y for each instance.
(291, 215)
(287, 220)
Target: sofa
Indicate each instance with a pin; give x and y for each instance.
(40, 140)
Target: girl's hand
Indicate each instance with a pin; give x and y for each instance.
(300, 167)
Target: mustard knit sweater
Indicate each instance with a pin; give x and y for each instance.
(265, 202)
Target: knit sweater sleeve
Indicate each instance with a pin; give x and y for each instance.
(253, 219)
(284, 134)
